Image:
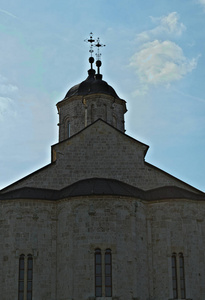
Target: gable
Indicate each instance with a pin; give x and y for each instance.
(100, 135)
(99, 151)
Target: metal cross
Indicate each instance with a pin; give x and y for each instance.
(91, 41)
(98, 45)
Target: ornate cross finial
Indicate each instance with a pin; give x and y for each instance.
(91, 41)
(98, 45)
(98, 55)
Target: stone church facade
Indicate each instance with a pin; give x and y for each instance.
(99, 222)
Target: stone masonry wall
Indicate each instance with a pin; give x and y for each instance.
(80, 111)
(85, 224)
(63, 236)
(28, 227)
(99, 151)
(176, 226)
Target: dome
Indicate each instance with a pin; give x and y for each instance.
(92, 85)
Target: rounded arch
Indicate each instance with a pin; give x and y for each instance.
(114, 120)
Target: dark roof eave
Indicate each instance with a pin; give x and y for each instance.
(102, 187)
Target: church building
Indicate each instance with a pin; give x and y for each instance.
(100, 222)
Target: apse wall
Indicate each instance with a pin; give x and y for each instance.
(107, 222)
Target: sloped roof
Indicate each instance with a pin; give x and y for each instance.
(102, 186)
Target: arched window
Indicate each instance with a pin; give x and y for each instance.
(114, 121)
(174, 276)
(21, 277)
(25, 277)
(98, 273)
(68, 129)
(178, 276)
(29, 276)
(108, 273)
(103, 273)
(182, 276)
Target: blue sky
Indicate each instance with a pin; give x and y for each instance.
(154, 58)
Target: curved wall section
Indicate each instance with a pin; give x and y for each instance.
(108, 224)
(77, 112)
(136, 241)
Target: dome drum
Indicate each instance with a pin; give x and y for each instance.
(82, 108)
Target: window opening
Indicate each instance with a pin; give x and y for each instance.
(29, 276)
(68, 129)
(174, 276)
(182, 277)
(103, 273)
(98, 273)
(21, 277)
(25, 277)
(114, 121)
(108, 273)
(178, 276)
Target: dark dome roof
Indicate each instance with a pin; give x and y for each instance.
(92, 85)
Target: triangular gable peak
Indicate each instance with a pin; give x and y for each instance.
(99, 151)
(103, 128)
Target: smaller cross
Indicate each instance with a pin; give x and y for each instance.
(98, 45)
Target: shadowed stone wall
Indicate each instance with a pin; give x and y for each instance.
(62, 237)
(77, 112)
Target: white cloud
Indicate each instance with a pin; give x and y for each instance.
(168, 25)
(158, 60)
(161, 63)
(5, 87)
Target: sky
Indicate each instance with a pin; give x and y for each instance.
(154, 58)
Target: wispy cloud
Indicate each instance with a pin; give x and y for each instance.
(6, 90)
(8, 13)
(159, 61)
(5, 103)
(166, 26)
(5, 87)
(202, 2)
(202, 100)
